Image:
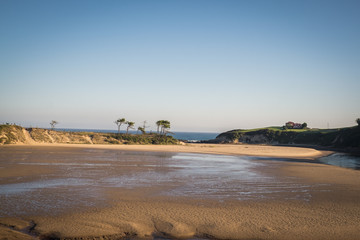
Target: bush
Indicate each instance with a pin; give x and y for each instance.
(145, 139)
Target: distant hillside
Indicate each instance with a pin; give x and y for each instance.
(340, 138)
(12, 134)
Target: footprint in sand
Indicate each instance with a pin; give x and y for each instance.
(267, 229)
(174, 229)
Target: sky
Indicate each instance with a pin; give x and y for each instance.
(206, 66)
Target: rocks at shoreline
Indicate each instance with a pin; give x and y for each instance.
(341, 138)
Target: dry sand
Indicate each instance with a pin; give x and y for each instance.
(225, 149)
(332, 212)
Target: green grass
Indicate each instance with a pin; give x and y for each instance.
(343, 137)
(145, 139)
(271, 128)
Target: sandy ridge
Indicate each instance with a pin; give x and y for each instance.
(224, 149)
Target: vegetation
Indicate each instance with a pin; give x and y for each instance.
(10, 134)
(343, 137)
(164, 126)
(119, 122)
(145, 139)
(130, 125)
(158, 123)
(358, 121)
(141, 129)
(53, 123)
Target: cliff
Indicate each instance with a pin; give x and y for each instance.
(339, 138)
(12, 134)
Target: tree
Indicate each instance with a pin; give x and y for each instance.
(163, 125)
(119, 122)
(304, 125)
(53, 123)
(358, 121)
(158, 123)
(141, 129)
(130, 125)
(144, 126)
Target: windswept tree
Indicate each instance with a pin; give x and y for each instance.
(144, 126)
(119, 122)
(158, 124)
(130, 126)
(141, 129)
(53, 123)
(163, 126)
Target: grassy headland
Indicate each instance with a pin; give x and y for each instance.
(339, 138)
(12, 134)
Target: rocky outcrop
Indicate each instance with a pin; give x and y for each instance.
(345, 137)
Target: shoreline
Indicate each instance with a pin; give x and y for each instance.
(332, 211)
(281, 151)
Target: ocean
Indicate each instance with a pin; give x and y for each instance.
(188, 136)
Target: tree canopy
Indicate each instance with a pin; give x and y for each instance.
(163, 126)
(130, 126)
(53, 123)
(119, 122)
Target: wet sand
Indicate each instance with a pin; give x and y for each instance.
(258, 199)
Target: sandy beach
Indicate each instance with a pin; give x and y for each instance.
(225, 149)
(158, 199)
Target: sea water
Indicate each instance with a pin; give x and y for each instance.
(342, 160)
(187, 136)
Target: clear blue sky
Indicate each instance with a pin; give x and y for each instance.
(203, 65)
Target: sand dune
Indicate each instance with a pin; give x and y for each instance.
(225, 149)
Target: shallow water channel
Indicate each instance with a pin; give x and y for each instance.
(50, 180)
(342, 160)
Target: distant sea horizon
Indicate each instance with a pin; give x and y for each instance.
(188, 136)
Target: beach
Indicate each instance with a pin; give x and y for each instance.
(160, 192)
(225, 149)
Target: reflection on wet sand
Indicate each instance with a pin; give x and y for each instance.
(93, 193)
(78, 178)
